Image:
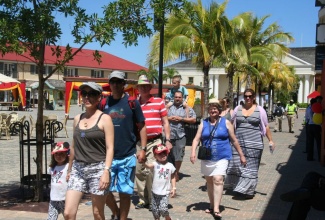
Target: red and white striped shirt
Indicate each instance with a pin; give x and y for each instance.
(154, 109)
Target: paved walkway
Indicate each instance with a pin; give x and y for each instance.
(279, 172)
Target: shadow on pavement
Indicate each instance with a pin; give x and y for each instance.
(292, 173)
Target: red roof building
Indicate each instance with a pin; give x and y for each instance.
(23, 68)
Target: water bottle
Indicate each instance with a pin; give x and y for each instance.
(271, 150)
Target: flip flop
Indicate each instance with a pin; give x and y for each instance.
(209, 210)
(217, 215)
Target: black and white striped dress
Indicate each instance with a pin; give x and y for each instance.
(244, 179)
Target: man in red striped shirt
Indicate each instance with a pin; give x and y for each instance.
(155, 113)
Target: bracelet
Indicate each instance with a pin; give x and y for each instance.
(144, 148)
(69, 170)
(108, 168)
(168, 140)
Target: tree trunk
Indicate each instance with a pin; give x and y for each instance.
(206, 89)
(260, 93)
(249, 81)
(39, 195)
(272, 94)
(230, 76)
(269, 94)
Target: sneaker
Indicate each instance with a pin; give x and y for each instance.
(150, 208)
(141, 205)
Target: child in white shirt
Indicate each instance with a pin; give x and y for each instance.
(164, 182)
(59, 185)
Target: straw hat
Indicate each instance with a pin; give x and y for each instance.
(143, 80)
(214, 100)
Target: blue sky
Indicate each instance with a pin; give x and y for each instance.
(298, 17)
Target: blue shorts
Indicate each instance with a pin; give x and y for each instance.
(122, 175)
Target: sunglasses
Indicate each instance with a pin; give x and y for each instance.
(118, 81)
(91, 93)
(248, 96)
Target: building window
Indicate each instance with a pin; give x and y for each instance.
(9, 69)
(71, 72)
(48, 70)
(190, 80)
(97, 73)
(32, 69)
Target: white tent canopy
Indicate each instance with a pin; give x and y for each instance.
(7, 79)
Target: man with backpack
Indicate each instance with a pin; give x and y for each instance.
(127, 117)
(278, 113)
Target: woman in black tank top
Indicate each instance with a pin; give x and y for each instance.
(91, 154)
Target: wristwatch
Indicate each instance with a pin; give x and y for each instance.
(108, 168)
(144, 148)
(168, 140)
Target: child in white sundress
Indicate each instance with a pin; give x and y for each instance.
(164, 182)
(59, 185)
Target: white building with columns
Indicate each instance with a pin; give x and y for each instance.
(303, 59)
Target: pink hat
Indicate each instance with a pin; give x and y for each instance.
(61, 147)
(161, 148)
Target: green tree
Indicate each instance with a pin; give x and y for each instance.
(280, 78)
(263, 45)
(194, 33)
(152, 75)
(170, 73)
(27, 26)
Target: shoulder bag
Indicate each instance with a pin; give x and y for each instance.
(205, 152)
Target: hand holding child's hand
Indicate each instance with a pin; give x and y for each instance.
(67, 177)
(173, 192)
(104, 180)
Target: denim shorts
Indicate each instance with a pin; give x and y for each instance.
(85, 177)
(122, 175)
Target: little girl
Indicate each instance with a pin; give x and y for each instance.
(58, 169)
(163, 175)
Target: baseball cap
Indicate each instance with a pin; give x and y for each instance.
(161, 148)
(117, 74)
(61, 147)
(92, 85)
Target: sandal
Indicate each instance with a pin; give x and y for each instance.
(217, 215)
(209, 210)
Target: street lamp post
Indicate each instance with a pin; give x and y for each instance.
(161, 56)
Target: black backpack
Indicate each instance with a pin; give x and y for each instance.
(278, 111)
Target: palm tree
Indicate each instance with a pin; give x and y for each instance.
(263, 46)
(170, 72)
(152, 74)
(194, 33)
(280, 77)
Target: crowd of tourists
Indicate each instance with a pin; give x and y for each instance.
(121, 143)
